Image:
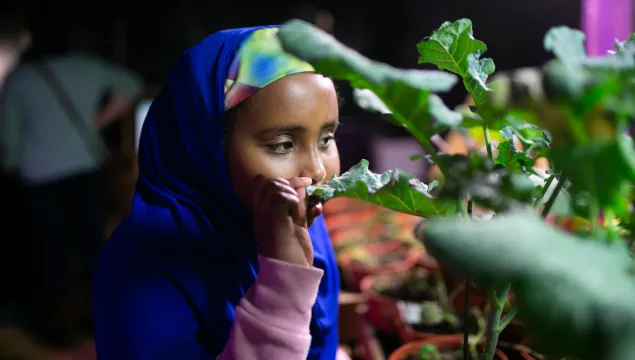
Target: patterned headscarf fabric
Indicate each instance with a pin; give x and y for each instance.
(259, 61)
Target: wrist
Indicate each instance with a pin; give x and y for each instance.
(287, 257)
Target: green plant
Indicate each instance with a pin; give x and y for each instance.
(574, 294)
(429, 352)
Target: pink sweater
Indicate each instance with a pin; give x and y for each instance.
(272, 320)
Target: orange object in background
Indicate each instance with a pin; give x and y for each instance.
(369, 239)
(343, 205)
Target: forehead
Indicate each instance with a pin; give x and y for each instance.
(303, 99)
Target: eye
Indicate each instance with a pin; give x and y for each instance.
(281, 148)
(326, 140)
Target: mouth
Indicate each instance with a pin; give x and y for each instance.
(314, 200)
(314, 206)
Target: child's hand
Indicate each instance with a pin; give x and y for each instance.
(280, 223)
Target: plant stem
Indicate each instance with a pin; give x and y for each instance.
(488, 142)
(442, 293)
(594, 210)
(545, 188)
(461, 205)
(466, 320)
(497, 298)
(511, 314)
(554, 195)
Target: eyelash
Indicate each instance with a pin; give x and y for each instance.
(285, 147)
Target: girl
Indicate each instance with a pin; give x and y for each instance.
(223, 256)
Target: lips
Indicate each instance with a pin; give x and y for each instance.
(314, 206)
(314, 200)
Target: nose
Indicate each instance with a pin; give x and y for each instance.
(314, 169)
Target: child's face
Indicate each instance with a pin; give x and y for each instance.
(285, 130)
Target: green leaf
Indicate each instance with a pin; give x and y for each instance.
(369, 101)
(419, 157)
(563, 205)
(603, 169)
(406, 93)
(567, 44)
(433, 185)
(622, 46)
(512, 158)
(575, 296)
(452, 47)
(479, 179)
(395, 190)
(507, 133)
(472, 119)
(429, 352)
(442, 117)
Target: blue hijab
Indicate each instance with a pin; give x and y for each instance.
(171, 274)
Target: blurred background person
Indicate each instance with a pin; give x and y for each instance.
(51, 115)
(15, 39)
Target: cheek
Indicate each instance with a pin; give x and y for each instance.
(332, 163)
(246, 160)
(240, 173)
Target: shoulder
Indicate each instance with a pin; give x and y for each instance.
(18, 74)
(135, 253)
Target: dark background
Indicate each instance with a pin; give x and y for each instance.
(148, 36)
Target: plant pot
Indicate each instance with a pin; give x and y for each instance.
(382, 309)
(526, 356)
(409, 333)
(356, 272)
(350, 305)
(440, 342)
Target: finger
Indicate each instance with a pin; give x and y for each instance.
(262, 182)
(301, 192)
(282, 181)
(285, 203)
(275, 192)
(298, 211)
(300, 182)
(275, 187)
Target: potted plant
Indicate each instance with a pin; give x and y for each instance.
(416, 304)
(438, 348)
(574, 112)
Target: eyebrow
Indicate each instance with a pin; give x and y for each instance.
(298, 128)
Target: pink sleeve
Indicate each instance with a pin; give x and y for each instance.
(272, 320)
